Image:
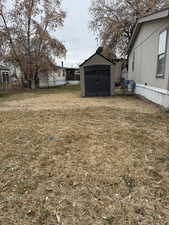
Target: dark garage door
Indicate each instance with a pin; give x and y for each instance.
(97, 80)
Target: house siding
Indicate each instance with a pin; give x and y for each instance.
(146, 55)
(53, 79)
(146, 49)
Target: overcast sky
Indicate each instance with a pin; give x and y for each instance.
(78, 39)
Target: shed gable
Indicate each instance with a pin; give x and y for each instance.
(97, 59)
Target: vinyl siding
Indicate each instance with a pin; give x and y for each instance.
(146, 52)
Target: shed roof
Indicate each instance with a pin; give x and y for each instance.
(96, 53)
(161, 14)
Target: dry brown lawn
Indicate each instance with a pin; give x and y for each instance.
(68, 160)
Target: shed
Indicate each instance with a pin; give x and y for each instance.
(97, 77)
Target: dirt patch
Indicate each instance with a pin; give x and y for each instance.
(70, 160)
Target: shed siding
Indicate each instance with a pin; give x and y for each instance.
(96, 60)
(146, 51)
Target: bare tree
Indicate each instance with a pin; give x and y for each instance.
(113, 21)
(27, 34)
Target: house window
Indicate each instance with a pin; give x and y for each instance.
(162, 54)
(133, 62)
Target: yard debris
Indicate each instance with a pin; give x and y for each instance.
(51, 138)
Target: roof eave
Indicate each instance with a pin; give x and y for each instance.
(134, 36)
(158, 15)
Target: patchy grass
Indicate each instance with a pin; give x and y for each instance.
(86, 161)
(4, 96)
(38, 92)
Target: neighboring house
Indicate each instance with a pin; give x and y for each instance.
(55, 78)
(12, 77)
(4, 77)
(9, 79)
(4, 74)
(45, 79)
(72, 75)
(149, 57)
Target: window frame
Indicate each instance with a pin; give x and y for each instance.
(162, 75)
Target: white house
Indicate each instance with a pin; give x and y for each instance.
(48, 79)
(4, 74)
(149, 57)
(9, 79)
(4, 78)
(55, 78)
